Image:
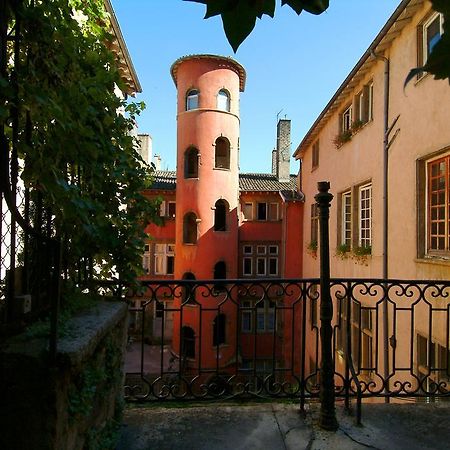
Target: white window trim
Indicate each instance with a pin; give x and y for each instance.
(258, 273)
(274, 258)
(346, 225)
(251, 266)
(249, 204)
(162, 253)
(425, 27)
(344, 126)
(364, 188)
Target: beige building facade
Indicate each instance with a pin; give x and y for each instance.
(385, 149)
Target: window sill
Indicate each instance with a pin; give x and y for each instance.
(434, 260)
(223, 169)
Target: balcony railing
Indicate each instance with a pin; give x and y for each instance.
(260, 338)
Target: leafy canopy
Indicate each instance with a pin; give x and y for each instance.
(77, 149)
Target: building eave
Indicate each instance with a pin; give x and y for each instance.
(232, 63)
(393, 27)
(120, 50)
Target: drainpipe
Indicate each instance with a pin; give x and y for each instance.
(385, 214)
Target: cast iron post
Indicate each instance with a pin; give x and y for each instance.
(327, 410)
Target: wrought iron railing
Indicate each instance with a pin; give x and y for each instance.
(260, 338)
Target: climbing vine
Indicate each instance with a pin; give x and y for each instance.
(60, 114)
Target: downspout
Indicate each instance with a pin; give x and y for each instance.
(385, 215)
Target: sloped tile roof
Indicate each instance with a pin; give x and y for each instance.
(265, 182)
(165, 180)
(251, 182)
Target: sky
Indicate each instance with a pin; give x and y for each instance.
(294, 65)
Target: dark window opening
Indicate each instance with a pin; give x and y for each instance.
(219, 330)
(188, 294)
(222, 159)
(187, 342)
(262, 211)
(220, 216)
(220, 273)
(190, 228)
(191, 163)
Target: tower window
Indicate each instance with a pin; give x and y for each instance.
(192, 99)
(223, 100)
(187, 342)
(219, 330)
(191, 163)
(190, 228)
(220, 215)
(188, 291)
(222, 159)
(220, 273)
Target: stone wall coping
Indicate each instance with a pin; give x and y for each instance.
(86, 330)
(90, 328)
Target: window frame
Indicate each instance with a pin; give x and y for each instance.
(346, 119)
(189, 233)
(258, 216)
(192, 98)
(315, 155)
(445, 206)
(247, 207)
(227, 101)
(346, 219)
(191, 157)
(365, 223)
(222, 162)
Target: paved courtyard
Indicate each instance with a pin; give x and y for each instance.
(281, 426)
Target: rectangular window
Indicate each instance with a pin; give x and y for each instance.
(273, 249)
(364, 105)
(162, 209)
(273, 211)
(346, 227)
(146, 258)
(346, 119)
(260, 266)
(247, 210)
(273, 266)
(429, 33)
(365, 216)
(171, 208)
(247, 268)
(246, 317)
(438, 201)
(261, 249)
(248, 250)
(164, 259)
(265, 316)
(315, 155)
(262, 211)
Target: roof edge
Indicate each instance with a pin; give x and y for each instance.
(382, 33)
(239, 68)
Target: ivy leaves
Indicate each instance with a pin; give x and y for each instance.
(239, 16)
(77, 151)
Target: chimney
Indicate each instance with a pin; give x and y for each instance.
(283, 152)
(145, 149)
(274, 161)
(157, 162)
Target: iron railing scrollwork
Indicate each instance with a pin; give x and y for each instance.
(270, 345)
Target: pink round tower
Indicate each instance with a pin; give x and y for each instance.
(206, 223)
(208, 89)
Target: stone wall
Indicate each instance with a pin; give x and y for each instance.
(77, 403)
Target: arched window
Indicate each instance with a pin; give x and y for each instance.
(222, 159)
(219, 330)
(191, 163)
(187, 342)
(223, 100)
(190, 228)
(192, 99)
(220, 273)
(188, 293)
(220, 215)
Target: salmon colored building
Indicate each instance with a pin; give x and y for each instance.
(219, 223)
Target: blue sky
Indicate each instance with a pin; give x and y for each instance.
(294, 64)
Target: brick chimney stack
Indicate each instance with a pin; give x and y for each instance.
(283, 149)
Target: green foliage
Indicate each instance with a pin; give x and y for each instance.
(362, 251)
(342, 138)
(342, 251)
(239, 16)
(312, 248)
(78, 151)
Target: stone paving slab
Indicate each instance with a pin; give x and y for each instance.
(280, 426)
